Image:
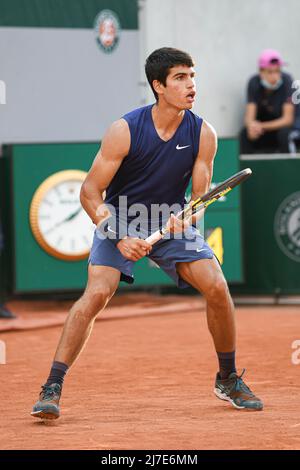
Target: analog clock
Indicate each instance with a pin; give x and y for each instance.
(58, 222)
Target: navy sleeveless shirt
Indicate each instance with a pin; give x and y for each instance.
(156, 171)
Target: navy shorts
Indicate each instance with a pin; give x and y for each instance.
(165, 253)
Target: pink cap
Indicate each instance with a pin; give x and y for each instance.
(269, 58)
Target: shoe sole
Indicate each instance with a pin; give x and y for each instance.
(44, 415)
(223, 396)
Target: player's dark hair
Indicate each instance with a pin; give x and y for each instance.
(159, 63)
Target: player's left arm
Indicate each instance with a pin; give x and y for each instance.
(203, 166)
(201, 175)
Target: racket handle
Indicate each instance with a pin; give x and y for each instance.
(154, 237)
(159, 234)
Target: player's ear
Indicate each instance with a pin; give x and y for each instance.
(158, 87)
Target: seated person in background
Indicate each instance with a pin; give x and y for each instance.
(269, 113)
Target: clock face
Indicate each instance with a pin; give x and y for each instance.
(58, 221)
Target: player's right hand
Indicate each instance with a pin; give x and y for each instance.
(134, 248)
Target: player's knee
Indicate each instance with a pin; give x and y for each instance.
(218, 291)
(96, 298)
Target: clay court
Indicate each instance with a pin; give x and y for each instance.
(145, 379)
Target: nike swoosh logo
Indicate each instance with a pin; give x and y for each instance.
(180, 148)
(202, 249)
(109, 229)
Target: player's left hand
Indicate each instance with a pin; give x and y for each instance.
(176, 225)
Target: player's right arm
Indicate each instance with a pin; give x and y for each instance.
(115, 147)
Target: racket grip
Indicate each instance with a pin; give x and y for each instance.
(154, 237)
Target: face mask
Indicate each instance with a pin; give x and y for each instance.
(268, 85)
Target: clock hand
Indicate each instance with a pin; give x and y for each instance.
(70, 217)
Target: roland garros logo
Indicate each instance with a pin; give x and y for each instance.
(107, 28)
(287, 226)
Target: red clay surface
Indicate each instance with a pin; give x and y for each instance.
(146, 377)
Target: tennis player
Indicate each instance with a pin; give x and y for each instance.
(147, 159)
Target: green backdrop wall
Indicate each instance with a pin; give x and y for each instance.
(35, 270)
(271, 225)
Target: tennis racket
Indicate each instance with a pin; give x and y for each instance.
(204, 201)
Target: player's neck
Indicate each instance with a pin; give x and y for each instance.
(166, 116)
